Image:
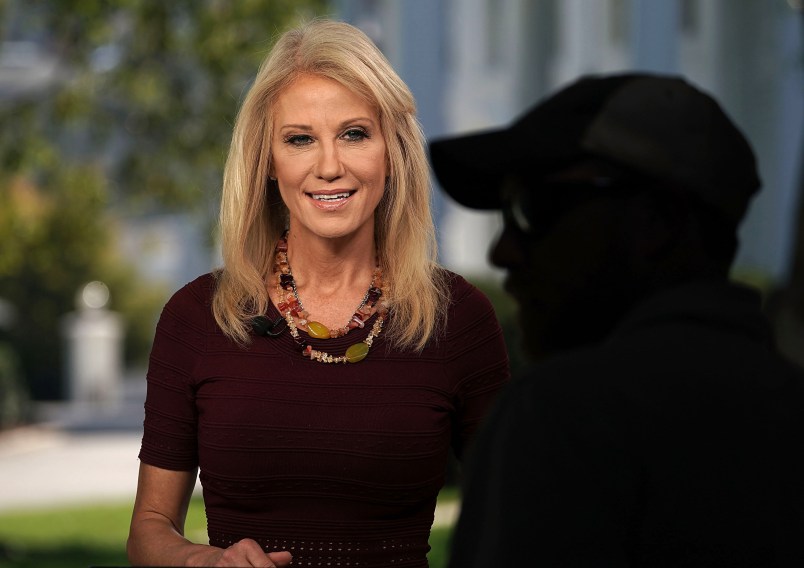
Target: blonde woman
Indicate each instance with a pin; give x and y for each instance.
(319, 379)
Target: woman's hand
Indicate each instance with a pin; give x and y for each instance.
(242, 553)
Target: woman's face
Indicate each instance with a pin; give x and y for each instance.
(329, 158)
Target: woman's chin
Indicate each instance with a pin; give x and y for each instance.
(333, 229)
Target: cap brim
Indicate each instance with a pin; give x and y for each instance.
(470, 168)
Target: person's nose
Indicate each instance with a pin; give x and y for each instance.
(329, 166)
(507, 251)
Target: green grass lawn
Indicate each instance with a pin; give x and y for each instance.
(96, 536)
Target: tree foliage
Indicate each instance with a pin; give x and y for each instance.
(136, 119)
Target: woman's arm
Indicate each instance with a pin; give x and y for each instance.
(156, 536)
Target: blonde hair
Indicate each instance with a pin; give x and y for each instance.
(253, 216)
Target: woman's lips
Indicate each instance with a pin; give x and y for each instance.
(330, 197)
(329, 200)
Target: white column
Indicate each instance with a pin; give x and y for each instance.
(93, 337)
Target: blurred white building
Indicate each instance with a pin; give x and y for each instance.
(476, 64)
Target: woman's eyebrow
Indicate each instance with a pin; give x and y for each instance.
(342, 124)
(305, 127)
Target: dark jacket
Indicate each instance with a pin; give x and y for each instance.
(677, 442)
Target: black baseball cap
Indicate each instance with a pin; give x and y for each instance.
(658, 126)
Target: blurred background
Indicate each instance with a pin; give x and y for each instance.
(115, 119)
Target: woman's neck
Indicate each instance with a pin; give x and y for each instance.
(331, 275)
(319, 261)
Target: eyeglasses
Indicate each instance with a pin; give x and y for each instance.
(533, 210)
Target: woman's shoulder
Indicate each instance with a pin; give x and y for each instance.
(461, 291)
(194, 298)
(473, 341)
(467, 303)
(199, 290)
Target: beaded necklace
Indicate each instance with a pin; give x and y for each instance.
(290, 305)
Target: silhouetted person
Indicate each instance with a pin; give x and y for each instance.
(659, 426)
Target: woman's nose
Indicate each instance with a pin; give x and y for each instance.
(329, 166)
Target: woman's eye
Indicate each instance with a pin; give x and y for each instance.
(299, 139)
(355, 134)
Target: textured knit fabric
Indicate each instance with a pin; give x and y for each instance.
(676, 443)
(338, 463)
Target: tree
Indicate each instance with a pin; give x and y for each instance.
(139, 119)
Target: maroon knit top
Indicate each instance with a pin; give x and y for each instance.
(338, 463)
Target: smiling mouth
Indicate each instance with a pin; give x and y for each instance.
(331, 196)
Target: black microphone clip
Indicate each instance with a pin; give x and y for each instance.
(265, 327)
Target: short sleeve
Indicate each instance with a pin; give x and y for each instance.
(476, 360)
(170, 428)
